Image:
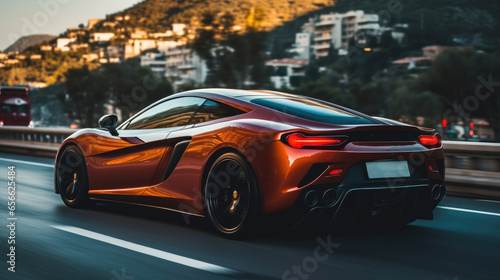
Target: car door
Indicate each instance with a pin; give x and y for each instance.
(179, 187)
(125, 165)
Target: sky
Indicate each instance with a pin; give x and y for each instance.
(27, 17)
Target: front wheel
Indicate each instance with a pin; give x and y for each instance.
(231, 197)
(71, 177)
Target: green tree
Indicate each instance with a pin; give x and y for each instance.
(231, 58)
(324, 90)
(407, 104)
(468, 82)
(87, 95)
(126, 87)
(366, 64)
(370, 98)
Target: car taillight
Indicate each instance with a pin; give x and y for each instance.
(430, 141)
(297, 140)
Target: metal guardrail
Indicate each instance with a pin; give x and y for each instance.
(472, 168)
(41, 135)
(33, 141)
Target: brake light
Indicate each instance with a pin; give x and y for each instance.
(430, 141)
(1, 123)
(297, 140)
(336, 171)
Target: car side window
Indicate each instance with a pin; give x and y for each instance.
(211, 110)
(171, 113)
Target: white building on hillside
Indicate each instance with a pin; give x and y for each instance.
(157, 62)
(164, 46)
(335, 30)
(185, 67)
(327, 33)
(178, 28)
(136, 46)
(287, 72)
(101, 36)
(62, 44)
(302, 46)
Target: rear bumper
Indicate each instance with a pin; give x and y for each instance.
(358, 205)
(285, 173)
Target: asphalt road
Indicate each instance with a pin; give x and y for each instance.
(123, 242)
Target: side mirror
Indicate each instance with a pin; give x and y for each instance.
(109, 122)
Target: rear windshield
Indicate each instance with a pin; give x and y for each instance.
(311, 110)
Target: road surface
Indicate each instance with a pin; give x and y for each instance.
(129, 242)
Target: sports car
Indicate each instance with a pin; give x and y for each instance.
(238, 156)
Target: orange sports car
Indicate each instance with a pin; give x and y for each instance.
(235, 156)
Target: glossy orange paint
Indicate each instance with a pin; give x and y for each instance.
(289, 165)
(133, 164)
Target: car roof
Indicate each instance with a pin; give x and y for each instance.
(13, 88)
(242, 99)
(247, 95)
(238, 93)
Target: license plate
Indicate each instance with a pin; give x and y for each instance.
(387, 169)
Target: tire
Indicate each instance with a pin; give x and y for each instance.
(72, 178)
(231, 196)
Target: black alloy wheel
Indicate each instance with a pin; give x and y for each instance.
(71, 177)
(231, 197)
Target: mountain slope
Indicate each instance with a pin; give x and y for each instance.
(430, 22)
(160, 14)
(27, 41)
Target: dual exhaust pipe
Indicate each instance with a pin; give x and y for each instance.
(325, 198)
(438, 192)
(328, 197)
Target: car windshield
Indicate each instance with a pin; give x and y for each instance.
(311, 110)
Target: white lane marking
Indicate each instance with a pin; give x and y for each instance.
(147, 250)
(486, 200)
(470, 211)
(27, 162)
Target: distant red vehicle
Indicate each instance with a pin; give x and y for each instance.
(16, 106)
(234, 155)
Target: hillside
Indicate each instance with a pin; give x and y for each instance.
(462, 22)
(430, 22)
(444, 22)
(158, 15)
(27, 41)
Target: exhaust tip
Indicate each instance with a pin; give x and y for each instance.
(438, 192)
(443, 191)
(311, 198)
(329, 197)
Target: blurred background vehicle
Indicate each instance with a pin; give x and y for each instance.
(16, 106)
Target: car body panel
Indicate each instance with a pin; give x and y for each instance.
(125, 162)
(167, 167)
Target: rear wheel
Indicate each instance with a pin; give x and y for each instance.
(231, 197)
(71, 177)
